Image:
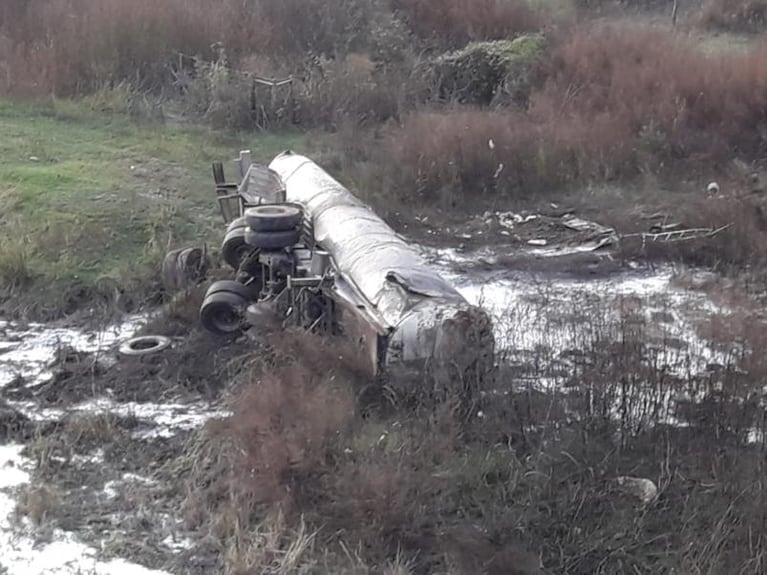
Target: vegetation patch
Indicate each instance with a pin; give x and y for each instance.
(748, 16)
(491, 71)
(619, 102)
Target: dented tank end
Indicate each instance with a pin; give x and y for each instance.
(452, 340)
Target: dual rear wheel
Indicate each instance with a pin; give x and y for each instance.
(267, 227)
(223, 308)
(270, 227)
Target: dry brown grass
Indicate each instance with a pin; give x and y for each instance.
(301, 479)
(38, 502)
(619, 101)
(69, 47)
(286, 423)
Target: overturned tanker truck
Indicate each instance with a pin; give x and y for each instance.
(306, 252)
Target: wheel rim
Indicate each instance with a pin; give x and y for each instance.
(226, 319)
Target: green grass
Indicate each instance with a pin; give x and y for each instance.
(87, 191)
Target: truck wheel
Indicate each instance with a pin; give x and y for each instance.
(195, 264)
(273, 218)
(234, 249)
(169, 269)
(184, 267)
(240, 222)
(272, 240)
(247, 292)
(221, 313)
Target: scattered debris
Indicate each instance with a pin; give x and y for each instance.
(581, 225)
(678, 235)
(662, 228)
(510, 219)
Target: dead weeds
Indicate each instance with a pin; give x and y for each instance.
(300, 479)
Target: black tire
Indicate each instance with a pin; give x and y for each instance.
(246, 292)
(234, 248)
(184, 267)
(145, 345)
(194, 262)
(240, 222)
(273, 217)
(272, 240)
(169, 267)
(222, 313)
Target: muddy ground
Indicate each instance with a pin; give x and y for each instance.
(98, 430)
(98, 448)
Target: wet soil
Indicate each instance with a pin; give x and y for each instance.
(101, 431)
(112, 438)
(196, 367)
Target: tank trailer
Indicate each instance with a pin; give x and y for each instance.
(305, 252)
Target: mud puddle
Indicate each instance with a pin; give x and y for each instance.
(28, 351)
(23, 554)
(556, 330)
(84, 432)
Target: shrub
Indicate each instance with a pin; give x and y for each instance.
(447, 155)
(487, 72)
(706, 105)
(735, 15)
(456, 22)
(617, 101)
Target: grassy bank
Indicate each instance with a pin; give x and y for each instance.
(92, 199)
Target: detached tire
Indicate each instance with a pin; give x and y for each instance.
(221, 313)
(272, 240)
(169, 271)
(234, 249)
(184, 267)
(273, 218)
(145, 344)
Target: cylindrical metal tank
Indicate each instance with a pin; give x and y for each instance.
(427, 320)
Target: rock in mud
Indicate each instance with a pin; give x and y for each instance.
(643, 489)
